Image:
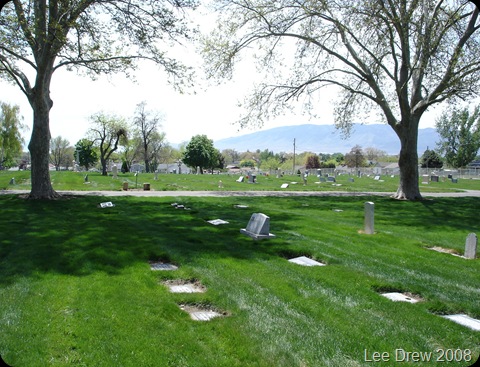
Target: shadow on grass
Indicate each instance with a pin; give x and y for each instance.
(74, 236)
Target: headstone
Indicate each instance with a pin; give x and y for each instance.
(331, 179)
(399, 297)
(434, 178)
(217, 222)
(305, 175)
(319, 172)
(454, 180)
(115, 171)
(220, 184)
(465, 320)
(146, 186)
(376, 178)
(251, 178)
(425, 179)
(12, 181)
(305, 261)
(284, 186)
(156, 175)
(450, 176)
(369, 217)
(86, 178)
(240, 179)
(351, 180)
(125, 186)
(322, 179)
(258, 227)
(471, 246)
(198, 170)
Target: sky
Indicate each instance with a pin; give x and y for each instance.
(207, 109)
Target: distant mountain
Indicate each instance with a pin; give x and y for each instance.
(325, 139)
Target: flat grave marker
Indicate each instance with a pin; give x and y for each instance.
(217, 222)
(400, 297)
(159, 265)
(305, 261)
(465, 320)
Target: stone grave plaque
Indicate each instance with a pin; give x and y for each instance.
(465, 320)
(240, 179)
(217, 222)
(258, 227)
(434, 178)
(162, 266)
(305, 261)
(376, 178)
(331, 179)
(284, 186)
(199, 314)
(399, 297)
(107, 204)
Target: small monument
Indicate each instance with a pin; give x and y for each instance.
(115, 171)
(369, 217)
(471, 246)
(12, 181)
(240, 179)
(258, 227)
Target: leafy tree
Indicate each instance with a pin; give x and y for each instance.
(431, 159)
(271, 163)
(96, 36)
(247, 163)
(398, 57)
(355, 158)
(151, 140)
(87, 156)
(312, 161)
(106, 133)
(374, 154)
(199, 152)
(460, 136)
(231, 155)
(60, 152)
(11, 140)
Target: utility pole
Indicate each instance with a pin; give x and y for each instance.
(293, 169)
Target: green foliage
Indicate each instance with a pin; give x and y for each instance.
(431, 159)
(200, 152)
(312, 161)
(459, 131)
(356, 157)
(11, 140)
(107, 132)
(247, 163)
(86, 153)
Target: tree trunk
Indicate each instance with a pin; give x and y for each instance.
(39, 148)
(408, 162)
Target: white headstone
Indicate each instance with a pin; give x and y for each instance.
(240, 179)
(369, 217)
(258, 227)
(284, 186)
(115, 171)
(471, 246)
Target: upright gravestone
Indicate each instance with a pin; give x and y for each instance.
(331, 179)
(115, 171)
(369, 217)
(471, 246)
(258, 227)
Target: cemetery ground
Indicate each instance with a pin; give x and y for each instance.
(75, 181)
(77, 288)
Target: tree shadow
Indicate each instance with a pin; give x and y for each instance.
(74, 236)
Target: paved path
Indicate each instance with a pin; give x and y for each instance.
(465, 193)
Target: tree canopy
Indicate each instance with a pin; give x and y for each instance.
(393, 57)
(200, 152)
(459, 131)
(11, 140)
(38, 37)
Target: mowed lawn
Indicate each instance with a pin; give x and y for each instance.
(76, 286)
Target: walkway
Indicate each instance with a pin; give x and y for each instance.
(141, 193)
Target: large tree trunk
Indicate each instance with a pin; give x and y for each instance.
(408, 188)
(39, 146)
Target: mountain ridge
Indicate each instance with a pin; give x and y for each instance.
(325, 139)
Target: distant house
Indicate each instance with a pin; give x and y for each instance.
(386, 168)
(474, 164)
(173, 168)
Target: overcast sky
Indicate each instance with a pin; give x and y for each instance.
(212, 110)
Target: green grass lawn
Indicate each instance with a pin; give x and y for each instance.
(66, 180)
(76, 286)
